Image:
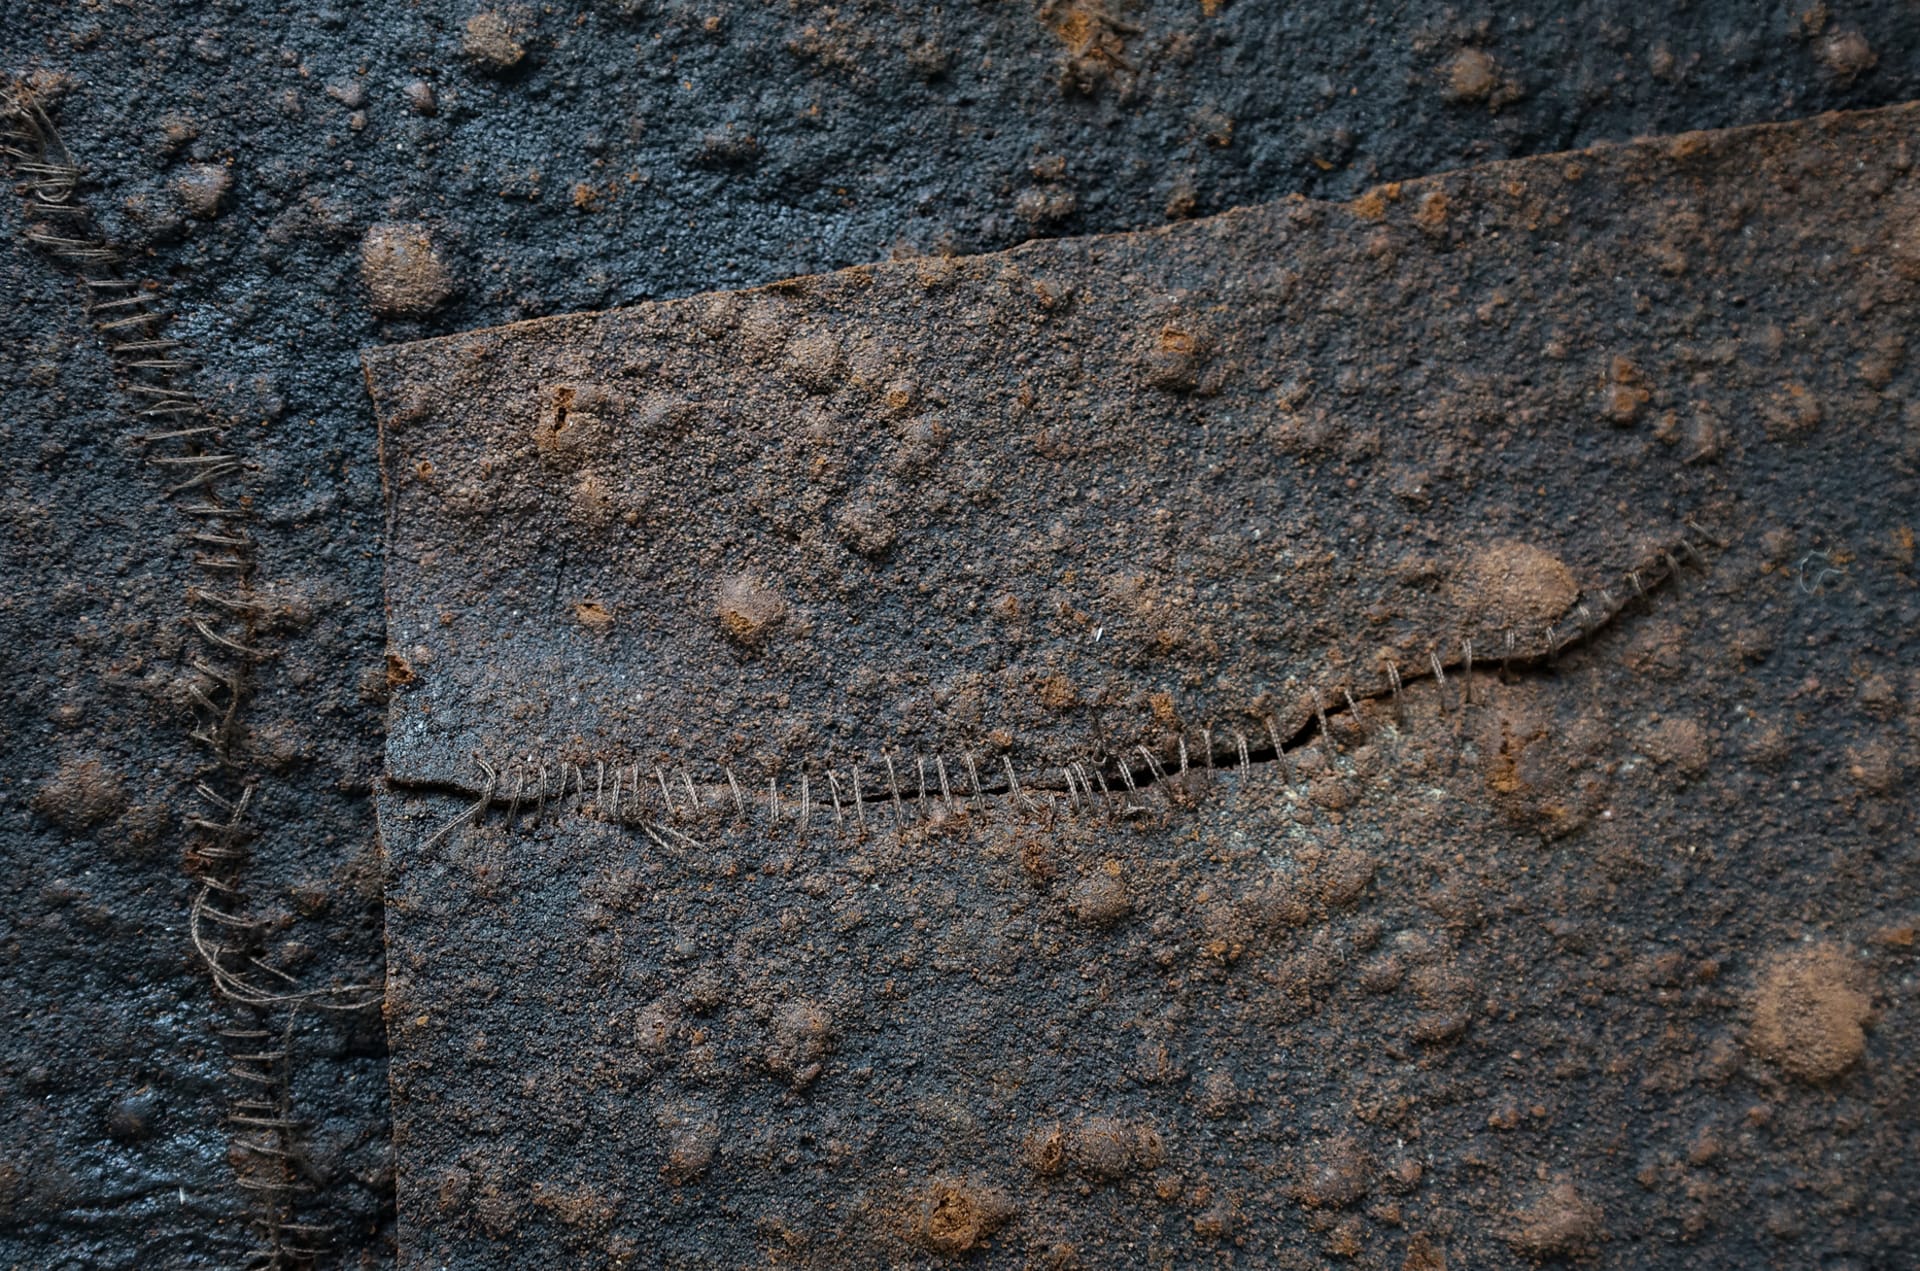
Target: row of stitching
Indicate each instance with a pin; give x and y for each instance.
(623, 791)
(191, 446)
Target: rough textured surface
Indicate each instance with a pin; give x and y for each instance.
(1495, 967)
(240, 155)
(1091, 494)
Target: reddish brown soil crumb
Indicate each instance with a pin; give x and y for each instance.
(802, 1039)
(1680, 743)
(202, 189)
(492, 43)
(1472, 75)
(749, 610)
(1340, 1176)
(956, 1216)
(1100, 899)
(1046, 1150)
(1847, 54)
(1808, 1013)
(1560, 1224)
(692, 1139)
(1518, 585)
(1424, 1255)
(82, 793)
(1108, 1148)
(594, 615)
(403, 272)
(1877, 768)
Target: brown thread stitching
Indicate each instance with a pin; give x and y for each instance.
(217, 854)
(1078, 779)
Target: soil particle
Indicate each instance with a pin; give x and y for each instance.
(1561, 1223)
(593, 615)
(1340, 1174)
(1218, 1221)
(866, 529)
(1279, 903)
(82, 793)
(1471, 75)
(1045, 1150)
(497, 1206)
(816, 361)
(655, 1025)
(1345, 875)
(456, 1184)
(1808, 1012)
(1057, 692)
(403, 272)
(1847, 55)
(1219, 1096)
(692, 1142)
(749, 611)
(1625, 392)
(1108, 1148)
(956, 1215)
(1877, 767)
(421, 98)
(202, 189)
(1424, 1254)
(1658, 649)
(1430, 214)
(590, 504)
(799, 1041)
(570, 426)
(1175, 356)
(1681, 744)
(1100, 899)
(491, 42)
(1518, 586)
(1045, 205)
(133, 1116)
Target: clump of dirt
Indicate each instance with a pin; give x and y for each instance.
(403, 271)
(1341, 1174)
(491, 42)
(1877, 767)
(1046, 1150)
(1176, 355)
(1472, 75)
(203, 188)
(1847, 55)
(1345, 875)
(593, 615)
(1517, 586)
(81, 794)
(957, 1215)
(816, 361)
(749, 611)
(1680, 743)
(1562, 1223)
(802, 1038)
(1108, 1148)
(1809, 1012)
(1101, 899)
(692, 1141)
(866, 529)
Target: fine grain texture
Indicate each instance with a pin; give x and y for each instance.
(1371, 730)
(280, 186)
